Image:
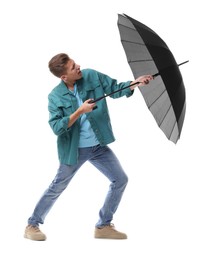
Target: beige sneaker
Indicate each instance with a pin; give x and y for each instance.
(109, 232)
(34, 233)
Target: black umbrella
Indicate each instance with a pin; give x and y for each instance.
(147, 53)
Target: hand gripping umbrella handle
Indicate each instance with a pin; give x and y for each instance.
(107, 95)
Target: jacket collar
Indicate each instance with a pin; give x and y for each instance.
(62, 89)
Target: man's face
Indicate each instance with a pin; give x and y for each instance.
(72, 73)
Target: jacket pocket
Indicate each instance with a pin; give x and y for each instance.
(90, 86)
(94, 90)
(66, 108)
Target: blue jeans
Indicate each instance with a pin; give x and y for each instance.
(106, 162)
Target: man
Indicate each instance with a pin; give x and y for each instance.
(83, 133)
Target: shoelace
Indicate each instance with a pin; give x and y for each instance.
(111, 225)
(35, 228)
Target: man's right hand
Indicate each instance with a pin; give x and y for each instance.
(87, 106)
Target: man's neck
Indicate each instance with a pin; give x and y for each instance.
(70, 85)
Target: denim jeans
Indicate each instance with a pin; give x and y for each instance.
(103, 158)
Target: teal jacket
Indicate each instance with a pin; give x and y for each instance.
(62, 103)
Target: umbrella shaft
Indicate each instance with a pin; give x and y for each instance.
(157, 74)
(136, 83)
(107, 95)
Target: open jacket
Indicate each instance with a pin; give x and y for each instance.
(62, 103)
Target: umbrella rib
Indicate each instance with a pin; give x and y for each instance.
(172, 131)
(143, 44)
(139, 61)
(137, 43)
(165, 115)
(167, 109)
(156, 99)
(133, 29)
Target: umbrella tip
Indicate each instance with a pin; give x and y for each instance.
(183, 62)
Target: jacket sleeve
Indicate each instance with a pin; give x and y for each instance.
(110, 85)
(57, 121)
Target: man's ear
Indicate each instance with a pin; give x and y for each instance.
(63, 77)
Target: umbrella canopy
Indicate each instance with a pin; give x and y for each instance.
(147, 53)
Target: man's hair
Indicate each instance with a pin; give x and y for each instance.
(57, 64)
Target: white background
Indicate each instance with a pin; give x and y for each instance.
(162, 210)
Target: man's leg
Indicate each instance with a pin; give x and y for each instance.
(106, 161)
(64, 175)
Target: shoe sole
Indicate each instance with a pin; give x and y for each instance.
(34, 239)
